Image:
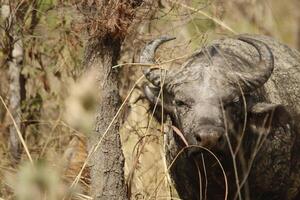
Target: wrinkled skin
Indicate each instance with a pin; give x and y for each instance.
(243, 90)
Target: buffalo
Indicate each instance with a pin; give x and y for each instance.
(233, 109)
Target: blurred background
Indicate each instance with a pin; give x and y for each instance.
(51, 99)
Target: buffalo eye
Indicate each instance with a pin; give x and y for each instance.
(179, 102)
(236, 103)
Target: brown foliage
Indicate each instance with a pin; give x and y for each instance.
(107, 17)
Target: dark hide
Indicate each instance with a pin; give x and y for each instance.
(239, 99)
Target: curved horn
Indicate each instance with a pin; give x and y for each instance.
(253, 79)
(147, 57)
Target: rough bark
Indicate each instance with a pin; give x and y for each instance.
(16, 92)
(107, 173)
(16, 87)
(107, 22)
(15, 55)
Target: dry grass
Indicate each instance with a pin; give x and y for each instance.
(56, 137)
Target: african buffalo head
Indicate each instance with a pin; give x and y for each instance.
(204, 97)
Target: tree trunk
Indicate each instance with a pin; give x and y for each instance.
(16, 92)
(16, 88)
(14, 16)
(107, 22)
(107, 171)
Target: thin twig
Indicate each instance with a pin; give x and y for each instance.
(150, 64)
(18, 131)
(217, 21)
(205, 176)
(197, 146)
(96, 146)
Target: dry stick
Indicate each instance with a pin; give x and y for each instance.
(18, 131)
(179, 133)
(162, 132)
(148, 127)
(232, 153)
(244, 102)
(162, 100)
(135, 162)
(202, 35)
(200, 179)
(226, 129)
(202, 157)
(50, 135)
(199, 175)
(193, 22)
(258, 146)
(244, 168)
(82, 196)
(96, 146)
(168, 181)
(226, 133)
(146, 64)
(217, 21)
(18, 6)
(205, 176)
(133, 64)
(84, 181)
(210, 152)
(160, 94)
(53, 123)
(245, 120)
(78, 133)
(240, 140)
(203, 163)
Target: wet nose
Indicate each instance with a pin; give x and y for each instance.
(208, 139)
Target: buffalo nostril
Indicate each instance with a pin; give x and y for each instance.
(220, 139)
(198, 138)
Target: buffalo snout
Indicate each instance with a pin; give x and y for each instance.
(208, 137)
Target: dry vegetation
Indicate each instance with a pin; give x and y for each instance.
(58, 111)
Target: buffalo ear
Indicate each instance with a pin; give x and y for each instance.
(263, 116)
